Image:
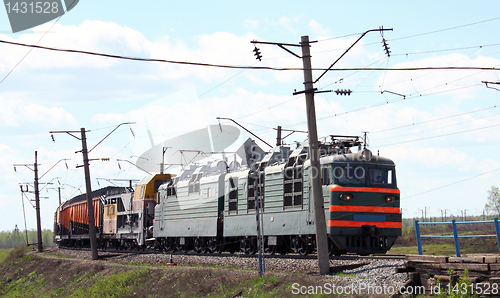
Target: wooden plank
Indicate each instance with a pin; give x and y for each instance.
(419, 265)
(455, 260)
(404, 269)
(427, 258)
(409, 264)
(474, 259)
(414, 277)
(474, 279)
(446, 277)
(490, 259)
(429, 269)
(495, 267)
(494, 273)
(463, 266)
(427, 282)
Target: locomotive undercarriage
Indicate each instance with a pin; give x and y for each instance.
(103, 242)
(300, 244)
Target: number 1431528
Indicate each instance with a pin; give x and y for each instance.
(32, 7)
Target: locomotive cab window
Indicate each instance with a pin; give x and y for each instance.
(326, 176)
(194, 183)
(379, 176)
(233, 194)
(350, 175)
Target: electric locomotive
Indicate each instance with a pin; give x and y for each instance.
(213, 207)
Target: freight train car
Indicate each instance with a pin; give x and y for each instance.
(71, 221)
(122, 216)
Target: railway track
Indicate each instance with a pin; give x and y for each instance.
(351, 257)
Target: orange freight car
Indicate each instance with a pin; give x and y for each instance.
(71, 223)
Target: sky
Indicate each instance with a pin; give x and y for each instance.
(440, 127)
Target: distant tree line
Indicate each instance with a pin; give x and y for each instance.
(15, 238)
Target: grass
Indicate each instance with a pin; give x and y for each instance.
(446, 249)
(4, 253)
(407, 244)
(121, 284)
(342, 274)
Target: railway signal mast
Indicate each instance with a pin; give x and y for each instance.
(309, 91)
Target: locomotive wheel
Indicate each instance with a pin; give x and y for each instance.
(298, 245)
(333, 250)
(246, 246)
(167, 245)
(212, 245)
(198, 245)
(178, 246)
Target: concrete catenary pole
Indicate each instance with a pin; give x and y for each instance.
(37, 206)
(90, 206)
(316, 189)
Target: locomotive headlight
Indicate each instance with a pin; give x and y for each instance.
(346, 197)
(390, 199)
(366, 155)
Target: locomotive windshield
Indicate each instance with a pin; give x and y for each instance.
(349, 175)
(380, 176)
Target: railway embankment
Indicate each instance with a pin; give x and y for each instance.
(68, 273)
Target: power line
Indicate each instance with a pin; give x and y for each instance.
(438, 136)
(26, 55)
(442, 118)
(436, 128)
(447, 50)
(386, 103)
(446, 29)
(247, 67)
(409, 36)
(446, 185)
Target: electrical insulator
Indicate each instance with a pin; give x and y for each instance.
(257, 54)
(105, 159)
(343, 91)
(53, 140)
(386, 47)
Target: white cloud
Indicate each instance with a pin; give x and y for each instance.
(18, 112)
(318, 29)
(109, 118)
(251, 24)
(287, 24)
